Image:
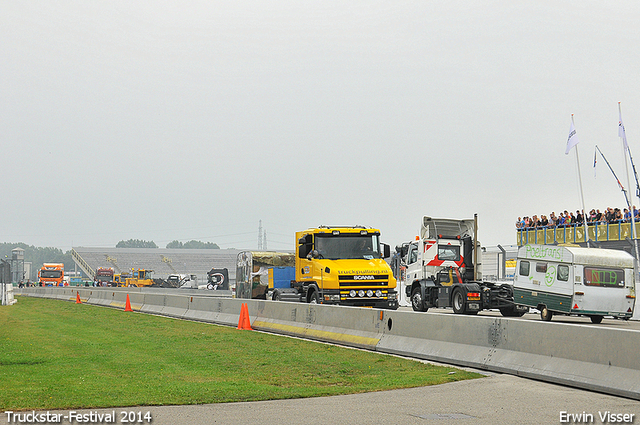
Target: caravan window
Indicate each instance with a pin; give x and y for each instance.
(541, 267)
(600, 276)
(563, 272)
(524, 268)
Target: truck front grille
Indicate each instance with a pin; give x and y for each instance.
(349, 281)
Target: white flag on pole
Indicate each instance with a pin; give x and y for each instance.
(573, 139)
(621, 132)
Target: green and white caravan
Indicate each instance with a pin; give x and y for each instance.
(571, 280)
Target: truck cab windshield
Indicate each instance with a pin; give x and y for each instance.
(348, 246)
(50, 274)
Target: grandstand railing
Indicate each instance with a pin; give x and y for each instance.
(86, 268)
(600, 232)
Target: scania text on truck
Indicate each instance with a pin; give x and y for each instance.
(332, 265)
(575, 281)
(51, 274)
(442, 270)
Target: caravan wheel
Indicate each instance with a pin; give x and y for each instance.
(596, 319)
(546, 314)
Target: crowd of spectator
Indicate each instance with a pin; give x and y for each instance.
(566, 218)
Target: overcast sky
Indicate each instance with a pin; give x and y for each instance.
(162, 120)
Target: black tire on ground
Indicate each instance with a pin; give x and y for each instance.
(596, 319)
(417, 303)
(546, 314)
(458, 301)
(511, 312)
(275, 296)
(506, 311)
(314, 298)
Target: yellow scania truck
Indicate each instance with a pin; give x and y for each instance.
(332, 265)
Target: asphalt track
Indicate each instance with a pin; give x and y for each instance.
(493, 400)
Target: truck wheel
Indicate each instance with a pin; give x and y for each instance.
(416, 300)
(457, 301)
(314, 298)
(275, 296)
(596, 319)
(546, 314)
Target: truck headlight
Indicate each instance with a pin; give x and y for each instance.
(378, 293)
(392, 296)
(361, 293)
(369, 293)
(352, 293)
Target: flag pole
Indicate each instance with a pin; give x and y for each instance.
(625, 147)
(584, 213)
(624, 191)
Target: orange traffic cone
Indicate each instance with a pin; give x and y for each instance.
(241, 320)
(244, 323)
(78, 298)
(127, 306)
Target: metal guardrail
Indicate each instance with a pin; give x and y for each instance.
(86, 268)
(600, 232)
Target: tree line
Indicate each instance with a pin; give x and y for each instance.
(37, 256)
(138, 243)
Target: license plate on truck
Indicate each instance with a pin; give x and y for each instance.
(474, 306)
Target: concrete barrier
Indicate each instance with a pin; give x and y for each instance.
(6, 294)
(601, 359)
(175, 306)
(61, 293)
(104, 297)
(344, 325)
(207, 309)
(153, 303)
(136, 300)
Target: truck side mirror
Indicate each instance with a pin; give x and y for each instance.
(386, 250)
(306, 243)
(303, 251)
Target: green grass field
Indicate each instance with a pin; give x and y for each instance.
(61, 355)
